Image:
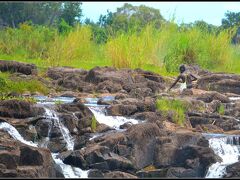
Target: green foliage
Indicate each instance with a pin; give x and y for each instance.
(231, 19)
(40, 13)
(19, 98)
(21, 86)
(129, 17)
(71, 12)
(131, 37)
(94, 124)
(64, 27)
(28, 41)
(176, 106)
(221, 109)
(58, 102)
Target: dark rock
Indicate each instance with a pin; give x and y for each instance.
(75, 159)
(109, 86)
(141, 92)
(232, 171)
(19, 109)
(119, 174)
(95, 173)
(121, 110)
(210, 96)
(56, 145)
(43, 127)
(179, 172)
(205, 154)
(81, 141)
(223, 83)
(142, 139)
(101, 128)
(100, 165)
(14, 66)
(126, 125)
(59, 72)
(30, 156)
(156, 173)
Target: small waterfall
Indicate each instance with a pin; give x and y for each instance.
(15, 134)
(51, 114)
(111, 121)
(69, 171)
(227, 148)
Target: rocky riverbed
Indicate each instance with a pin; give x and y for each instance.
(104, 123)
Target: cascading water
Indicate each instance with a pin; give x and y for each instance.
(228, 149)
(99, 113)
(51, 114)
(15, 134)
(67, 170)
(112, 121)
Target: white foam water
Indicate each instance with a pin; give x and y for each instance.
(69, 171)
(15, 134)
(112, 121)
(228, 152)
(234, 98)
(51, 114)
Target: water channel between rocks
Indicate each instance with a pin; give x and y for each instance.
(225, 146)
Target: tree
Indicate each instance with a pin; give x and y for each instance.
(129, 17)
(71, 12)
(41, 13)
(231, 19)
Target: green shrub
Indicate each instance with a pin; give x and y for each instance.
(94, 124)
(221, 109)
(178, 108)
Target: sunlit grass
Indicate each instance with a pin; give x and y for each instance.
(21, 86)
(176, 106)
(158, 50)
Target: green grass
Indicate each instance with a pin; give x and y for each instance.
(158, 50)
(20, 98)
(178, 108)
(94, 124)
(221, 109)
(20, 86)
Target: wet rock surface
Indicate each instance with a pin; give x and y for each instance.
(157, 141)
(20, 160)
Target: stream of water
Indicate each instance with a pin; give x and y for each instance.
(227, 147)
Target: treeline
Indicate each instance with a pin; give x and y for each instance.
(134, 36)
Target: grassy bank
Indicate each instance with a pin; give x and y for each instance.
(9, 85)
(159, 50)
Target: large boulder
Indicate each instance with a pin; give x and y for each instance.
(210, 96)
(142, 139)
(21, 160)
(14, 66)
(60, 72)
(119, 174)
(223, 83)
(233, 171)
(19, 109)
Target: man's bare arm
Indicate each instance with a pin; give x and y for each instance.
(178, 78)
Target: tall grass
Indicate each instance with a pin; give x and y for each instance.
(27, 41)
(169, 47)
(75, 46)
(159, 50)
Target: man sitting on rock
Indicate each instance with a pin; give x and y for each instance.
(186, 79)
